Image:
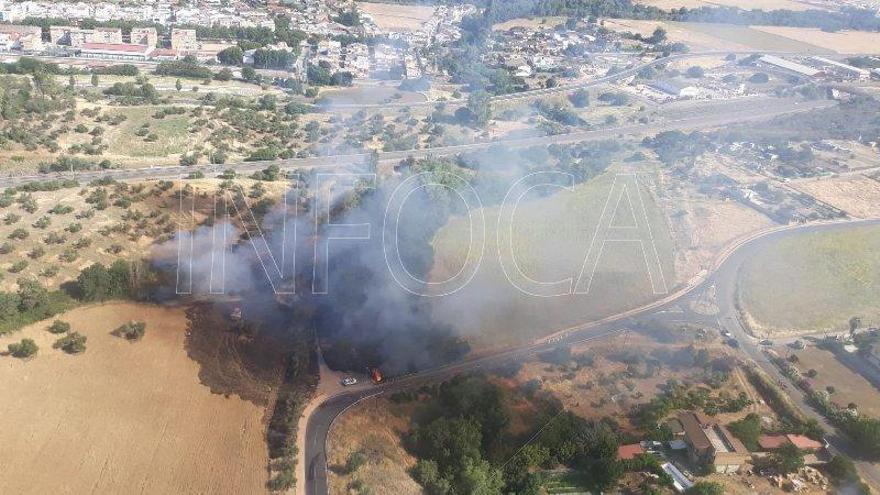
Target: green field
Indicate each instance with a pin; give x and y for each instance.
(171, 132)
(551, 237)
(813, 282)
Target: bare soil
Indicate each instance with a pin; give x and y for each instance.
(144, 416)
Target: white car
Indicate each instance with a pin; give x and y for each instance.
(349, 380)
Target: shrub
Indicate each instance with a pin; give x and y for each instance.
(6, 248)
(133, 330)
(19, 234)
(59, 326)
(24, 349)
(37, 252)
(72, 343)
(11, 218)
(42, 222)
(18, 266)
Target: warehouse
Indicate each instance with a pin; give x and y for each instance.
(839, 68)
(789, 66)
(116, 51)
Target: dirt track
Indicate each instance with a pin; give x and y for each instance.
(126, 417)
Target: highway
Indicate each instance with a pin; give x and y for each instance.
(737, 113)
(675, 307)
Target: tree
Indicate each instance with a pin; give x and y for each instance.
(178, 85)
(72, 343)
(706, 488)
(841, 470)
(133, 330)
(233, 55)
(787, 459)
(31, 294)
(95, 80)
(580, 98)
(695, 72)
(748, 430)
(759, 78)
(658, 36)
(71, 83)
(480, 107)
(23, 349)
(248, 74)
(59, 326)
(479, 478)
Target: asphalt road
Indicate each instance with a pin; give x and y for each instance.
(674, 308)
(736, 113)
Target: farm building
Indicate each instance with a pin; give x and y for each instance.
(840, 68)
(117, 51)
(710, 443)
(789, 66)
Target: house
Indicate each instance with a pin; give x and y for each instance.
(710, 443)
(144, 36)
(627, 452)
(677, 89)
(184, 41)
(77, 37)
(24, 38)
(680, 482)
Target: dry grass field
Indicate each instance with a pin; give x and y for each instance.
(395, 17)
(531, 23)
(708, 36)
(373, 428)
(813, 282)
(848, 385)
(857, 195)
(742, 4)
(840, 42)
(124, 417)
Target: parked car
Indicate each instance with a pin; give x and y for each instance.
(349, 380)
(766, 342)
(733, 343)
(726, 334)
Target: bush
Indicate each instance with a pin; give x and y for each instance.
(24, 349)
(18, 266)
(706, 488)
(59, 326)
(133, 330)
(355, 461)
(759, 78)
(72, 343)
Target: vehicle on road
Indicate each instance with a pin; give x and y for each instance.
(349, 380)
(726, 334)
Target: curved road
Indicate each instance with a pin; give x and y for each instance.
(675, 307)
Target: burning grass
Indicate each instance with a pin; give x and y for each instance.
(551, 237)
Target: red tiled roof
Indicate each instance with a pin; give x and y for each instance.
(116, 47)
(772, 442)
(804, 443)
(630, 451)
